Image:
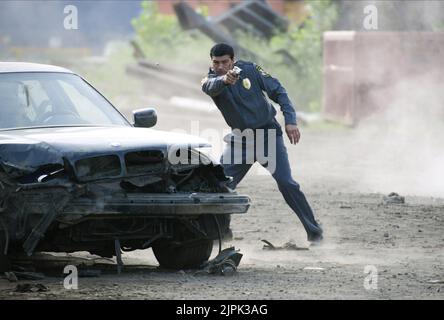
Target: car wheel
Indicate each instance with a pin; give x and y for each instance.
(210, 227)
(171, 255)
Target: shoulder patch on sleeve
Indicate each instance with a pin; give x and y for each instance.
(262, 71)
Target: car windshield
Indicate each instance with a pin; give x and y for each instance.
(44, 99)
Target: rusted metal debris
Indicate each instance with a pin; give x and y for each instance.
(255, 17)
(287, 246)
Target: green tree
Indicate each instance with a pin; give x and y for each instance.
(162, 39)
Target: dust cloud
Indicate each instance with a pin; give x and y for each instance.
(402, 146)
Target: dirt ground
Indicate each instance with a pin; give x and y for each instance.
(403, 244)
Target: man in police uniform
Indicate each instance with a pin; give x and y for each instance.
(241, 100)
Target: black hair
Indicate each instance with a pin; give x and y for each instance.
(222, 49)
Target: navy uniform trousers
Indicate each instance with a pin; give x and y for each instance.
(289, 188)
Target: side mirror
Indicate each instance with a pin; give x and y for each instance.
(145, 118)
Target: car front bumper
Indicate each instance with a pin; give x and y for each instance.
(160, 205)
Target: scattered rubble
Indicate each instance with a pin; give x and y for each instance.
(31, 287)
(287, 246)
(436, 281)
(11, 277)
(393, 198)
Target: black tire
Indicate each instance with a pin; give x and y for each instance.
(185, 256)
(208, 224)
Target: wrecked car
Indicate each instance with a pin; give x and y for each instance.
(76, 175)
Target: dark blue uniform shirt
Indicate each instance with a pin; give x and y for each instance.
(244, 105)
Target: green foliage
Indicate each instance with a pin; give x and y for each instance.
(162, 39)
(295, 57)
(203, 10)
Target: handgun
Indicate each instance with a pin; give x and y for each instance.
(237, 70)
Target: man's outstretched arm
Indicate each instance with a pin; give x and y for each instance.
(213, 86)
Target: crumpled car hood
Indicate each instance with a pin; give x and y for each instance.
(29, 149)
